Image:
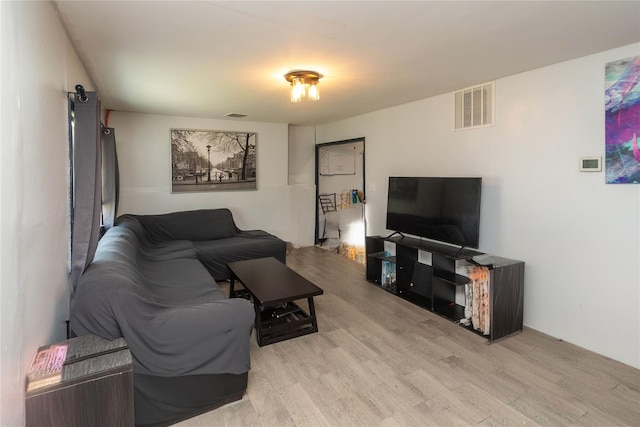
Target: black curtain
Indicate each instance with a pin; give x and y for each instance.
(87, 184)
(110, 178)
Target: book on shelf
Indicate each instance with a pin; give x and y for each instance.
(46, 368)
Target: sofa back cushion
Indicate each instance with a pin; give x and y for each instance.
(198, 225)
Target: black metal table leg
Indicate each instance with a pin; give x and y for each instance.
(312, 314)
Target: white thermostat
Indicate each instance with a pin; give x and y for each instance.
(590, 164)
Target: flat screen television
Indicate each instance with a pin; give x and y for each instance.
(442, 209)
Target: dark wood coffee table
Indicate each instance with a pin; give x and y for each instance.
(274, 287)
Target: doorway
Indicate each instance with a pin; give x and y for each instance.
(340, 198)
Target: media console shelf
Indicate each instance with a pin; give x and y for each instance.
(434, 286)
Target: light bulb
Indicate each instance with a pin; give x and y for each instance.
(297, 89)
(314, 94)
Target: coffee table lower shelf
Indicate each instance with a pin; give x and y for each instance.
(283, 323)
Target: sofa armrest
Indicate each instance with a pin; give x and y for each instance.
(204, 338)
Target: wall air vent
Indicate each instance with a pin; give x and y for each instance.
(236, 115)
(474, 107)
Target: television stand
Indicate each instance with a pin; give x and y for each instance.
(394, 233)
(434, 287)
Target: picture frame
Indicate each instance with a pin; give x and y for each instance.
(212, 160)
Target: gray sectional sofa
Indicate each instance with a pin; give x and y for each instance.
(153, 282)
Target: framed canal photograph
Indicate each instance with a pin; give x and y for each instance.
(212, 160)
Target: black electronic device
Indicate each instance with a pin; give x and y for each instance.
(446, 209)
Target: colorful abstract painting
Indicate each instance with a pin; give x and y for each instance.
(622, 122)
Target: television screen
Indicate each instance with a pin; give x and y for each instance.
(443, 209)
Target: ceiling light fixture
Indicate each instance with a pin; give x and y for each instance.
(303, 83)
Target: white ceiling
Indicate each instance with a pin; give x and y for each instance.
(209, 58)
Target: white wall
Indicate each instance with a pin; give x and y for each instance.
(144, 155)
(39, 66)
(302, 141)
(302, 187)
(579, 237)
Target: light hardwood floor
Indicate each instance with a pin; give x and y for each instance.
(381, 361)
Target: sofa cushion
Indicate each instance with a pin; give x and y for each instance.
(198, 225)
(216, 254)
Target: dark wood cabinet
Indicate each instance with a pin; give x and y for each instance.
(91, 386)
(406, 257)
(374, 249)
(434, 287)
(507, 295)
